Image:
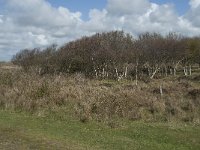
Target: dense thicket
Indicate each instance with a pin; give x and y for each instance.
(116, 55)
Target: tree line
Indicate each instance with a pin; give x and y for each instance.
(116, 55)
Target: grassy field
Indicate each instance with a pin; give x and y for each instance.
(24, 131)
(74, 112)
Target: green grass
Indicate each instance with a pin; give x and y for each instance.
(24, 131)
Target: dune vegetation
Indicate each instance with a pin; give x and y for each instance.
(109, 84)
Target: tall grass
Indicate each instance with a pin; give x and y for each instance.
(101, 100)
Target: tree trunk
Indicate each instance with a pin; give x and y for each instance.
(154, 73)
(136, 75)
(190, 70)
(161, 91)
(166, 71)
(171, 72)
(136, 72)
(103, 73)
(185, 71)
(126, 70)
(149, 71)
(174, 71)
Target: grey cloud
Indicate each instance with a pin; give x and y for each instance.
(123, 7)
(193, 16)
(194, 3)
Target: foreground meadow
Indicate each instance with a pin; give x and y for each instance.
(74, 112)
(23, 131)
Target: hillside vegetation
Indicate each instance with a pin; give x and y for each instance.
(109, 75)
(116, 55)
(106, 91)
(166, 99)
(74, 112)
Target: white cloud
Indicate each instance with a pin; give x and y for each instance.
(193, 14)
(97, 22)
(119, 14)
(39, 39)
(40, 13)
(194, 3)
(36, 23)
(163, 14)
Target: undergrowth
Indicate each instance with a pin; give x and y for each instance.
(101, 100)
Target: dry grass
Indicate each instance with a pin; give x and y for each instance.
(101, 100)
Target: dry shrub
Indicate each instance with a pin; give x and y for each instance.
(29, 92)
(196, 78)
(194, 93)
(99, 100)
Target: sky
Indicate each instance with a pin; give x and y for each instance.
(40, 23)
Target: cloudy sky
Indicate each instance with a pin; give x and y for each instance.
(38, 23)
